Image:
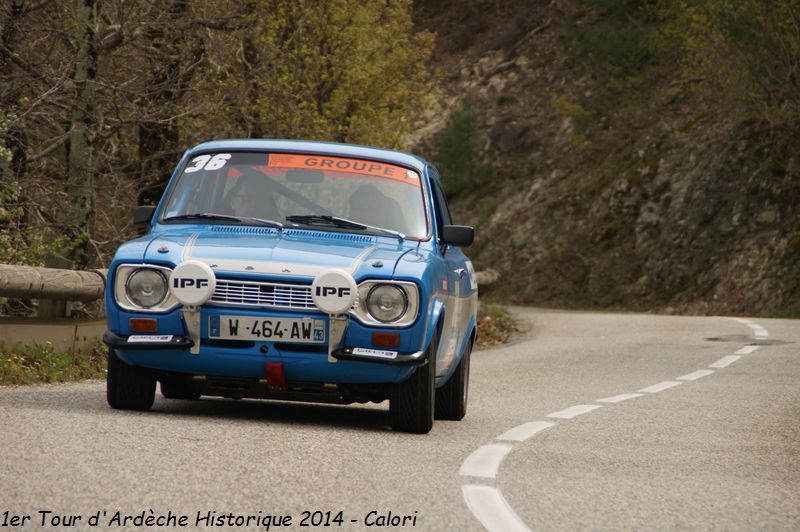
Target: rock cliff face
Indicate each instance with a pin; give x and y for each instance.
(662, 203)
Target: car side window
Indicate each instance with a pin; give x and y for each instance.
(447, 213)
(443, 216)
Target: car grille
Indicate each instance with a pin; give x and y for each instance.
(263, 294)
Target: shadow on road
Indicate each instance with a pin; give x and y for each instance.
(277, 412)
(89, 397)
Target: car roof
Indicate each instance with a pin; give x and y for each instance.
(316, 147)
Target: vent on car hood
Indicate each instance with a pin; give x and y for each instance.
(328, 235)
(244, 229)
(294, 233)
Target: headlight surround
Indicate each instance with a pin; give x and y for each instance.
(387, 302)
(371, 289)
(146, 287)
(129, 297)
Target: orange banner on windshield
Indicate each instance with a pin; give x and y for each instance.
(341, 164)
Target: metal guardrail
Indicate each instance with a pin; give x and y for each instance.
(48, 284)
(34, 282)
(54, 287)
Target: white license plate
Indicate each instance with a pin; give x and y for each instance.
(149, 338)
(297, 330)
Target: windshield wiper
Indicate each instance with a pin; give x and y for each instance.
(322, 219)
(226, 217)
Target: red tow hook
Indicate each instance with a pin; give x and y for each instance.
(276, 378)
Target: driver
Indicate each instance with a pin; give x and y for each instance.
(369, 206)
(251, 196)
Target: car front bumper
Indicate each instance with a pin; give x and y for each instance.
(249, 361)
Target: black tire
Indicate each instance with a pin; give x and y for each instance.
(412, 402)
(451, 399)
(128, 387)
(178, 388)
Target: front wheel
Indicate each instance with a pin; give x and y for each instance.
(411, 403)
(128, 387)
(451, 399)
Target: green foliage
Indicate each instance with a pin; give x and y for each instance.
(171, 74)
(618, 50)
(743, 53)
(495, 325)
(790, 312)
(18, 244)
(619, 44)
(580, 117)
(36, 363)
(6, 118)
(341, 70)
(457, 152)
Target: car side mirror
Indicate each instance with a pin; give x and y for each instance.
(143, 214)
(458, 235)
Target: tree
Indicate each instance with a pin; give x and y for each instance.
(746, 52)
(98, 100)
(340, 70)
(80, 178)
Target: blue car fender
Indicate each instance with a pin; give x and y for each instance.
(435, 316)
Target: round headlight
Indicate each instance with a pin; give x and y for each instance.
(146, 288)
(387, 303)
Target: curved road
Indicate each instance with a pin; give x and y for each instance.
(586, 421)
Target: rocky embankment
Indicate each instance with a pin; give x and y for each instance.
(659, 205)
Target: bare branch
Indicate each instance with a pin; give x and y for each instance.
(30, 8)
(50, 149)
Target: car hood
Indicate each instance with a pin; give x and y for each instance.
(292, 253)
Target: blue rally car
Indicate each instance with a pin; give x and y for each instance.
(296, 271)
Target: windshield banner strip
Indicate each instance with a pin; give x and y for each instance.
(340, 164)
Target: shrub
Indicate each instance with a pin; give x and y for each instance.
(618, 45)
(495, 325)
(457, 152)
(744, 52)
(44, 363)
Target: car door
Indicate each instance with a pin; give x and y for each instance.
(458, 286)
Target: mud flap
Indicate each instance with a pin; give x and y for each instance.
(276, 378)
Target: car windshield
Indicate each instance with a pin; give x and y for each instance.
(308, 189)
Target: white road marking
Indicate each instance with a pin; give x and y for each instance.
(573, 411)
(699, 374)
(724, 362)
(487, 503)
(619, 398)
(484, 461)
(525, 431)
(746, 350)
(490, 507)
(661, 386)
(758, 330)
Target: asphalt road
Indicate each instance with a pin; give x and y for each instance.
(551, 441)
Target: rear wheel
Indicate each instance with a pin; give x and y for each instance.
(128, 387)
(411, 403)
(451, 399)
